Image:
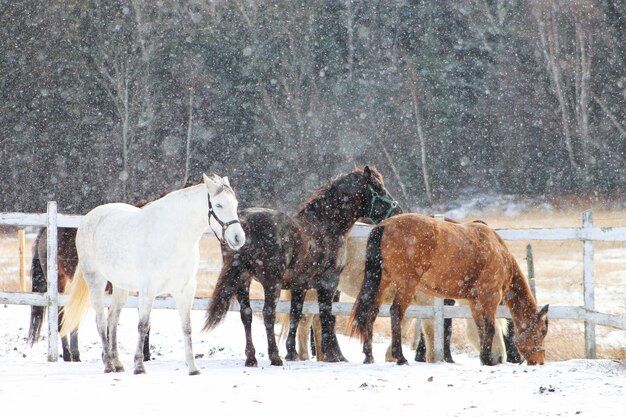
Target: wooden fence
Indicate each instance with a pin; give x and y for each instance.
(587, 312)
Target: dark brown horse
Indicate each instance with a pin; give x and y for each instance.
(469, 261)
(298, 253)
(67, 260)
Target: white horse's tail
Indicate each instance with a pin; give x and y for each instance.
(76, 308)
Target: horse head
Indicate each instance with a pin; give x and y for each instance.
(223, 217)
(529, 341)
(377, 204)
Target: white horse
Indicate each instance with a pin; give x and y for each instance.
(152, 250)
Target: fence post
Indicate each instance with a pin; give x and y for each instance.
(438, 323)
(589, 285)
(21, 237)
(52, 278)
(438, 320)
(530, 267)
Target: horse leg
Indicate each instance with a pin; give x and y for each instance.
(245, 312)
(146, 348)
(144, 309)
(428, 332)
(397, 315)
(67, 356)
(96, 289)
(118, 298)
(74, 346)
(512, 354)
(65, 347)
(272, 294)
(316, 335)
(184, 300)
(368, 335)
(498, 348)
(304, 330)
(330, 344)
(70, 350)
(447, 334)
(486, 330)
(295, 314)
(406, 326)
(420, 351)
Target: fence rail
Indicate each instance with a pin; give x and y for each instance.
(587, 313)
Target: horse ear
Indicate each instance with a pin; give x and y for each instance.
(225, 181)
(367, 173)
(188, 182)
(212, 186)
(543, 312)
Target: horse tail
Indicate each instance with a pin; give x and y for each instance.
(39, 285)
(79, 303)
(227, 284)
(367, 303)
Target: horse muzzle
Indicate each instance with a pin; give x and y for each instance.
(537, 358)
(234, 236)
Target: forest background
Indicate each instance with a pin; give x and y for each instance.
(106, 101)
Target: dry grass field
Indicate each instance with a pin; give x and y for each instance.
(558, 274)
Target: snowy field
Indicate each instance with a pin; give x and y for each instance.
(31, 385)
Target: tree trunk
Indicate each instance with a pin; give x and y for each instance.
(549, 37)
(188, 144)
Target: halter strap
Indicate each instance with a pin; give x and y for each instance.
(224, 225)
(375, 196)
(535, 338)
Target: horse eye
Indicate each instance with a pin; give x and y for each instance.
(219, 206)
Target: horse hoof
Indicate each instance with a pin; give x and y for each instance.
(119, 369)
(108, 369)
(333, 357)
(368, 360)
(277, 362)
(292, 357)
(402, 361)
(251, 363)
(139, 371)
(195, 372)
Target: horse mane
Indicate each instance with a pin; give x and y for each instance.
(323, 192)
(189, 182)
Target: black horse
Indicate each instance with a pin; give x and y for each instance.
(298, 253)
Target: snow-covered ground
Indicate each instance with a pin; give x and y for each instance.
(29, 385)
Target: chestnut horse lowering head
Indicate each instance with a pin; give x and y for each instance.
(412, 252)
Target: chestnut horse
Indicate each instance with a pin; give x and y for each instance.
(298, 253)
(350, 283)
(412, 252)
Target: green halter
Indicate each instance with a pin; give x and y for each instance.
(375, 196)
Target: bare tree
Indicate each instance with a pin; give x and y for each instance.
(412, 82)
(569, 64)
